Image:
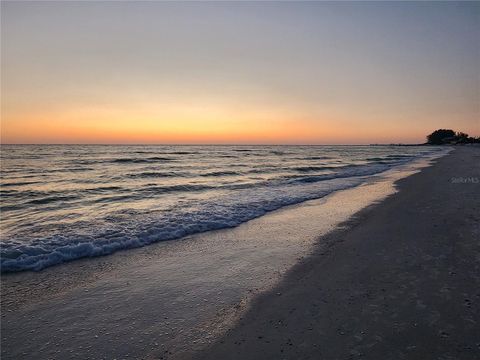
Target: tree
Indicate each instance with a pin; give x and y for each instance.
(438, 137)
(461, 137)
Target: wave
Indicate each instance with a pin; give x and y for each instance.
(73, 169)
(227, 156)
(221, 173)
(243, 204)
(240, 207)
(51, 199)
(103, 189)
(399, 156)
(317, 158)
(176, 188)
(390, 158)
(346, 172)
(142, 160)
(314, 168)
(154, 174)
(20, 183)
(277, 152)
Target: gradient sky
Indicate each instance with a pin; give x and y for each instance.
(243, 72)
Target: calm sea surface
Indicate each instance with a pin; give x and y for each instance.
(60, 203)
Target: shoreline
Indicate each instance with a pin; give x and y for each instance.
(399, 279)
(89, 284)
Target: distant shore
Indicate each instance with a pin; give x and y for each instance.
(400, 281)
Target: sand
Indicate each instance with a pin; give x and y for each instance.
(178, 299)
(400, 281)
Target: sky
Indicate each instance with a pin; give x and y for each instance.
(238, 72)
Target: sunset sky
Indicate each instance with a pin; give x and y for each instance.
(238, 72)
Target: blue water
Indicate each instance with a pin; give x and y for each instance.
(60, 203)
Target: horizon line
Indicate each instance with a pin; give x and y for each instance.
(208, 144)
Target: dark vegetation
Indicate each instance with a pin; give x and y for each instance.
(450, 137)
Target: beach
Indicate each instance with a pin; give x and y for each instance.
(252, 180)
(387, 269)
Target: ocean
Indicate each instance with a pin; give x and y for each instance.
(64, 202)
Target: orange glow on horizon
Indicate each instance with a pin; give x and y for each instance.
(254, 133)
(191, 124)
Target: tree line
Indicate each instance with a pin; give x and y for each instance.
(448, 136)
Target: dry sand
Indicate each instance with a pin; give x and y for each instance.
(400, 281)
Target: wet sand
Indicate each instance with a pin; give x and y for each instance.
(400, 280)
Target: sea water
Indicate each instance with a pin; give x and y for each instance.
(64, 202)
